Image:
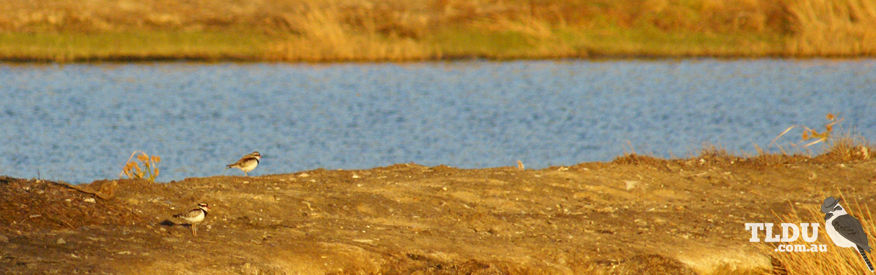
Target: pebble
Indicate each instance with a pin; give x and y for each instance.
(61, 241)
(89, 200)
(98, 239)
(630, 184)
(640, 222)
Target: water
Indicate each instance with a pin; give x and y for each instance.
(79, 123)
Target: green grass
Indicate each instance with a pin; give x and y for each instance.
(476, 43)
(130, 45)
(611, 41)
(647, 41)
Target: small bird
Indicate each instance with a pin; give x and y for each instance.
(194, 217)
(247, 163)
(845, 230)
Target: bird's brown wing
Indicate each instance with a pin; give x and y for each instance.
(242, 160)
(191, 214)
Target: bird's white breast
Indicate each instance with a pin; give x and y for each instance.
(249, 165)
(196, 218)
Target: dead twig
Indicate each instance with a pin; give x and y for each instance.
(98, 194)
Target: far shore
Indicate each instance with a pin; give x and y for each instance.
(397, 31)
(175, 46)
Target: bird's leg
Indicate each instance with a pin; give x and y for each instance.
(245, 174)
(194, 230)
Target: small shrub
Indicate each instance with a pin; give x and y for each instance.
(811, 136)
(149, 170)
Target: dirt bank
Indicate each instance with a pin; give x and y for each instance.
(632, 215)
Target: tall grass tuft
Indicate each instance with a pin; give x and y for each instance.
(324, 34)
(832, 27)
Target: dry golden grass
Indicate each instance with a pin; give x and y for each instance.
(836, 260)
(832, 27)
(344, 30)
(841, 147)
(323, 37)
(848, 148)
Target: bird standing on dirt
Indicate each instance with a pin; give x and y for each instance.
(194, 217)
(247, 163)
(845, 230)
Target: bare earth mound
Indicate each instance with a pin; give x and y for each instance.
(633, 215)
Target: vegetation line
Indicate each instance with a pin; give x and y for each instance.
(397, 30)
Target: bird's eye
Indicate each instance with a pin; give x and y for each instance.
(838, 208)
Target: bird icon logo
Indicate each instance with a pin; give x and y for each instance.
(845, 230)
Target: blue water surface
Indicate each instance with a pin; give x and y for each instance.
(80, 123)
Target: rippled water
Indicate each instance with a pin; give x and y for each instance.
(79, 123)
